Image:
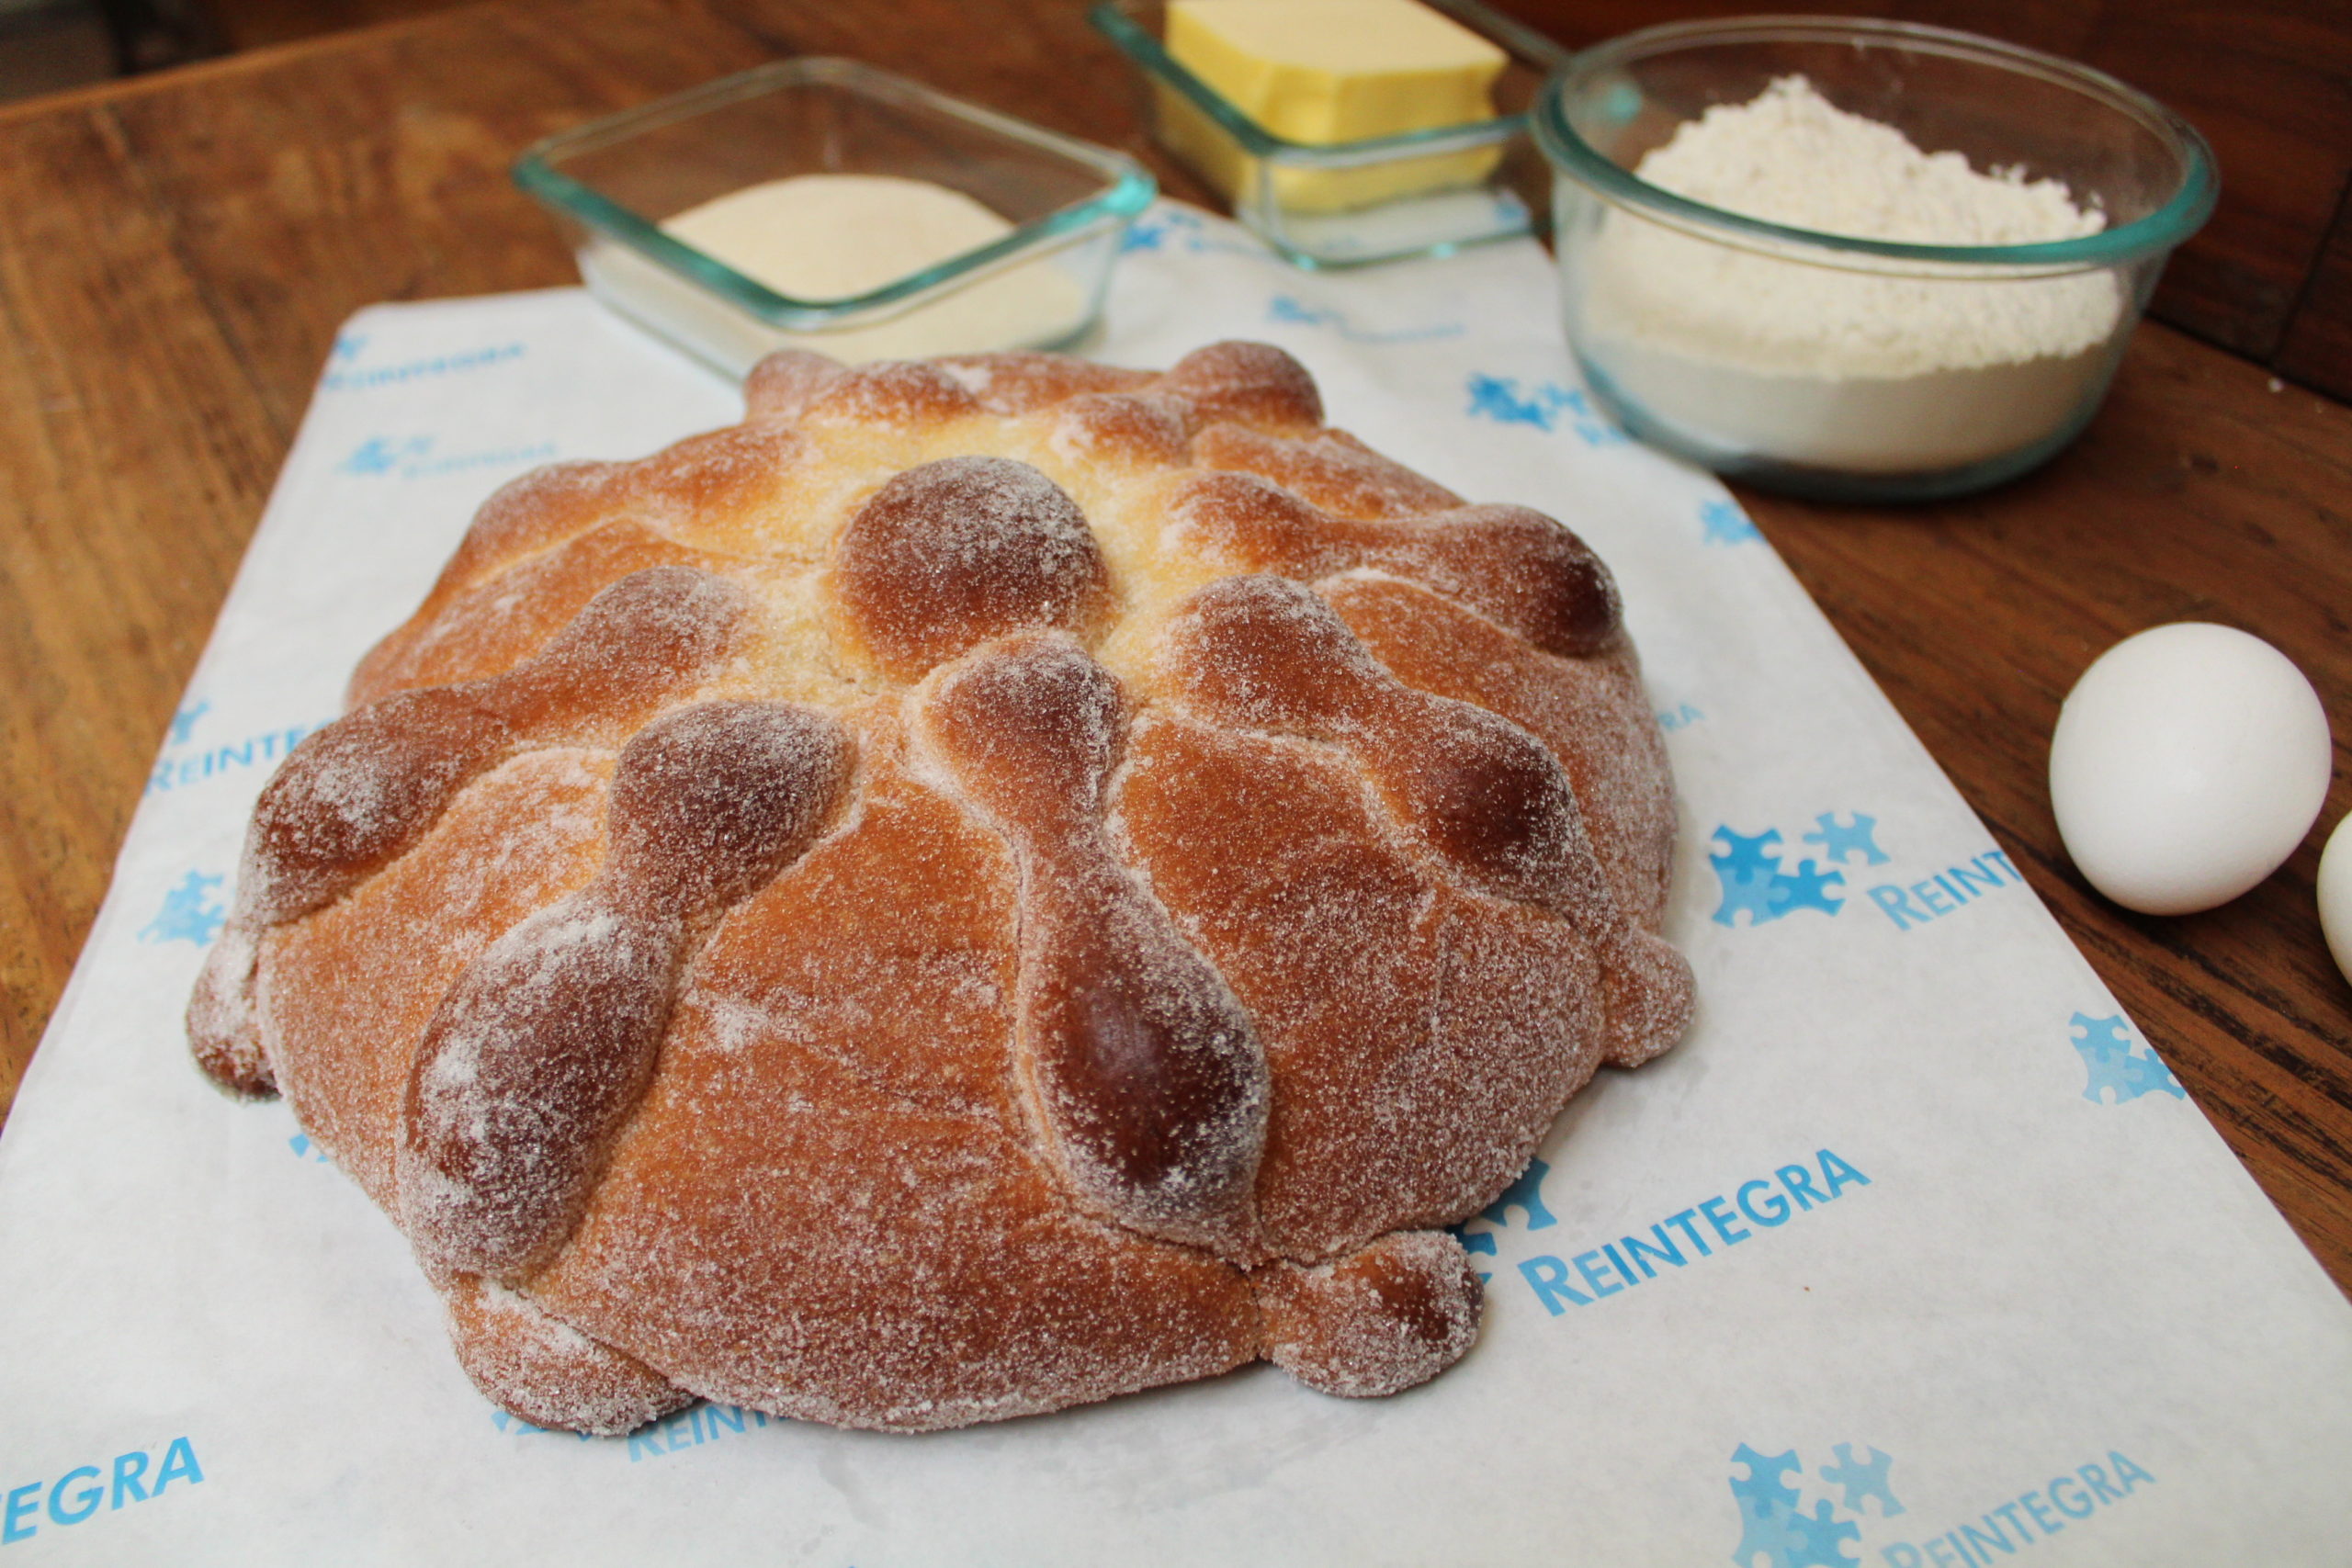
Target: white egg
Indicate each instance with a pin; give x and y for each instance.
(2335, 894)
(2189, 761)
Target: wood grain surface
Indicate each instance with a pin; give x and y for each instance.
(176, 255)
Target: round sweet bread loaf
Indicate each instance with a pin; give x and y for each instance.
(993, 884)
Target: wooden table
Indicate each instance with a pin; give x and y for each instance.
(175, 254)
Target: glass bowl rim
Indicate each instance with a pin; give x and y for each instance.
(1111, 19)
(2191, 205)
(1128, 188)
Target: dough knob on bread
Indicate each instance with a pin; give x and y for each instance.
(1377, 1322)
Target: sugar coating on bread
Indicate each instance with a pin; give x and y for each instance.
(1376, 1321)
(546, 1044)
(1146, 1075)
(997, 883)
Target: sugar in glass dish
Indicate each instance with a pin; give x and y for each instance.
(1377, 198)
(1845, 369)
(1038, 285)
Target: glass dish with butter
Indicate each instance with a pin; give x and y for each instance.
(1347, 132)
(823, 204)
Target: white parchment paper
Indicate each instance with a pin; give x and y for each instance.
(1913, 1253)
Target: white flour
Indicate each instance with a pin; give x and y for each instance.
(1750, 354)
(823, 237)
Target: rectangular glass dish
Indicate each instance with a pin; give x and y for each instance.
(612, 182)
(1347, 203)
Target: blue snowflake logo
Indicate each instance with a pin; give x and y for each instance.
(189, 912)
(1526, 1195)
(2113, 1065)
(184, 721)
(1776, 1526)
(1497, 398)
(1862, 1480)
(1840, 842)
(378, 456)
(1546, 406)
(515, 1426)
(1754, 881)
(1144, 234)
(1725, 523)
(1171, 227)
(1759, 881)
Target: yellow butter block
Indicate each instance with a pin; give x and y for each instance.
(1322, 72)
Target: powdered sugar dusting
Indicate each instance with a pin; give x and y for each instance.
(547, 1042)
(1393, 1315)
(1414, 1064)
(1145, 1068)
(1519, 568)
(1101, 982)
(348, 990)
(1330, 470)
(356, 793)
(222, 1024)
(548, 1371)
(952, 553)
(1264, 653)
(1592, 714)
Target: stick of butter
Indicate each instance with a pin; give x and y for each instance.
(1322, 72)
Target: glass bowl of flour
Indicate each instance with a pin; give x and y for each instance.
(1858, 260)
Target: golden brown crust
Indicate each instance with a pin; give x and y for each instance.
(1331, 470)
(1415, 1063)
(1251, 384)
(952, 554)
(1197, 855)
(835, 1174)
(542, 1368)
(1023, 382)
(1518, 568)
(480, 630)
(360, 979)
(1590, 713)
(542, 1048)
(1143, 1069)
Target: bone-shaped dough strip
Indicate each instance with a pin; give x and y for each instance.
(1142, 1065)
(547, 1042)
(1516, 566)
(1265, 653)
(353, 797)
